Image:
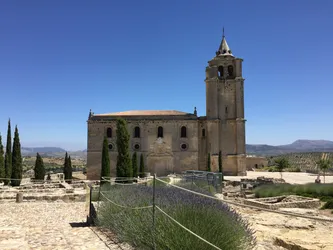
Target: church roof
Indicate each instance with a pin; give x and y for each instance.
(146, 113)
(224, 48)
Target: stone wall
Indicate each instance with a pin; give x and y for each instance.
(256, 162)
(275, 203)
(162, 156)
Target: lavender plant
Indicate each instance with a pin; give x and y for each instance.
(211, 219)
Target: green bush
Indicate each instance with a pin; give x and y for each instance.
(272, 169)
(322, 191)
(328, 205)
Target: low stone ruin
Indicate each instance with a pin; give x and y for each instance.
(261, 180)
(44, 192)
(286, 201)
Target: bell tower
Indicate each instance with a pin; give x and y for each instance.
(225, 109)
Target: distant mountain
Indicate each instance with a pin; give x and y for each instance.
(298, 146)
(308, 144)
(51, 152)
(42, 150)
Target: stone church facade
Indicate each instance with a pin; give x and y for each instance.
(173, 141)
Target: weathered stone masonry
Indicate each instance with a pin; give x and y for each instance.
(173, 141)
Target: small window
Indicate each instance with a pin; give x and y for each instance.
(183, 146)
(110, 146)
(183, 132)
(220, 71)
(109, 132)
(160, 132)
(203, 132)
(230, 70)
(137, 132)
(226, 110)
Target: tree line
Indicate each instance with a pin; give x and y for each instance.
(127, 165)
(11, 167)
(39, 168)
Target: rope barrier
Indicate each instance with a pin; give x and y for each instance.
(248, 206)
(167, 215)
(210, 197)
(125, 184)
(185, 228)
(133, 208)
(13, 179)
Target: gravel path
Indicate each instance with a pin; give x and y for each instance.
(54, 225)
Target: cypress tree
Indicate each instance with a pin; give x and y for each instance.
(8, 155)
(2, 161)
(16, 160)
(135, 165)
(142, 167)
(39, 168)
(105, 170)
(124, 163)
(220, 165)
(208, 163)
(66, 167)
(70, 170)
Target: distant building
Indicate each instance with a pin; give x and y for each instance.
(173, 141)
(253, 162)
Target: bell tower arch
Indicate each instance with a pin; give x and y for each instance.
(225, 108)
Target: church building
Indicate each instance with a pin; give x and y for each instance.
(174, 141)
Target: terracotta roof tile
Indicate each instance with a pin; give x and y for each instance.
(144, 113)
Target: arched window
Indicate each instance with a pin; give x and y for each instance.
(203, 133)
(230, 70)
(226, 110)
(137, 132)
(183, 131)
(220, 71)
(160, 132)
(109, 132)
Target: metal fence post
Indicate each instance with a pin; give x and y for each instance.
(154, 185)
(89, 218)
(99, 194)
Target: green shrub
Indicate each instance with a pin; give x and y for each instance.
(322, 191)
(328, 205)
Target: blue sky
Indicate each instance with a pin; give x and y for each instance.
(60, 58)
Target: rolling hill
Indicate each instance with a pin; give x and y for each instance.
(298, 146)
(52, 152)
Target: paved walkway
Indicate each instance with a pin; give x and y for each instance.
(54, 225)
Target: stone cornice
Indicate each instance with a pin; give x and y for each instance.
(108, 121)
(215, 120)
(239, 78)
(236, 155)
(235, 120)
